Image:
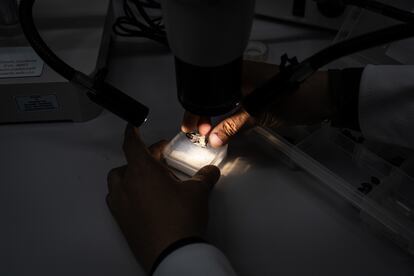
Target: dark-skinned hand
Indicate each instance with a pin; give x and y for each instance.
(153, 207)
(311, 104)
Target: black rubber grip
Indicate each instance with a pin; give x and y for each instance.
(119, 103)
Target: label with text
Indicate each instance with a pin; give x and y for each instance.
(37, 103)
(19, 62)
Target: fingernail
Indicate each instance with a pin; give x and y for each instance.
(215, 140)
(204, 129)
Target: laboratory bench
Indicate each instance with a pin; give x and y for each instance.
(267, 217)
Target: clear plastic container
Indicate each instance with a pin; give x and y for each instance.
(187, 157)
(382, 193)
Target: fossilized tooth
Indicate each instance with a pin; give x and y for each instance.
(197, 139)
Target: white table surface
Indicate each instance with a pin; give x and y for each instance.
(269, 220)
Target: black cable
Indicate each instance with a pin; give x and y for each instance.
(147, 18)
(35, 40)
(138, 23)
(290, 78)
(383, 9)
(360, 43)
(97, 89)
(130, 14)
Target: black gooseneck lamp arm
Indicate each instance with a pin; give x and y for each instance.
(99, 91)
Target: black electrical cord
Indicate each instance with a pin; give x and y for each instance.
(138, 23)
(36, 41)
(383, 9)
(151, 22)
(290, 78)
(360, 43)
(97, 90)
(366, 41)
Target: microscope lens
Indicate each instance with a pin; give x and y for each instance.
(209, 91)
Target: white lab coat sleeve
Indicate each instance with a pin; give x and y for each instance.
(197, 259)
(386, 104)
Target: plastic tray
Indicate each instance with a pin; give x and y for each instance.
(381, 192)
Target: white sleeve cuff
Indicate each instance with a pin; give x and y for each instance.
(386, 104)
(195, 260)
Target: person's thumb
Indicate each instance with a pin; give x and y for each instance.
(225, 130)
(208, 176)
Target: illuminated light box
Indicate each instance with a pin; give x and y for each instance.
(187, 156)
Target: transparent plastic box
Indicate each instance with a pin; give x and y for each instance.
(382, 193)
(188, 158)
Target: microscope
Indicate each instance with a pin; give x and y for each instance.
(208, 39)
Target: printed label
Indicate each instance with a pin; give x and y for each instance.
(37, 103)
(19, 62)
